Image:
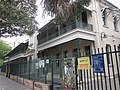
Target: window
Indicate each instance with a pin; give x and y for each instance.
(75, 52)
(42, 54)
(104, 17)
(109, 54)
(84, 17)
(57, 32)
(64, 27)
(115, 22)
(30, 58)
(65, 54)
(87, 50)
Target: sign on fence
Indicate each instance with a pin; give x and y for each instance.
(47, 61)
(37, 65)
(40, 64)
(84, 63)
(69, 69)
(98, 63)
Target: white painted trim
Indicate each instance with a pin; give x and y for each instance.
(71, 35)
(15, 57)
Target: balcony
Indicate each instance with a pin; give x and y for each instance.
(68, 28)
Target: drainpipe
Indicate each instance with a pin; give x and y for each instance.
(35, 43)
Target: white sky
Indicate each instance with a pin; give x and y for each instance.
(14, 41)
(115, 2)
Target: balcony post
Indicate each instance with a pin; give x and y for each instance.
(76, 62)
(58, 29)
(47, 34)
(77, 23)
(78, 46)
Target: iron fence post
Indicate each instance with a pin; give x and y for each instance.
(76, 73)
(29, 69)
(52, 74)
(20, 68)
(45, 71)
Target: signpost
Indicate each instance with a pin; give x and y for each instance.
(83, 63)
(98, 63)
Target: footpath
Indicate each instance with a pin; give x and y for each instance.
(8, 84)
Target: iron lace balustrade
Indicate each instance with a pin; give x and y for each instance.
(69, 27)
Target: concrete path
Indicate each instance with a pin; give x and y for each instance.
(8, 84)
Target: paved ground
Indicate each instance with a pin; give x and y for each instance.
(8, 84)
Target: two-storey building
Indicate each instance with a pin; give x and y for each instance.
(97, 26)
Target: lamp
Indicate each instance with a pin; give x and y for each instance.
(103, 35)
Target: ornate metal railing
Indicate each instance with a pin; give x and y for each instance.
(69, 27)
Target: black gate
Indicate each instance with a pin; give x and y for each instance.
(97, 79)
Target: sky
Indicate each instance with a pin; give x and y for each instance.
(14, 41)
(115, 2)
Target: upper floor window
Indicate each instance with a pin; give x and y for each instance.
(75, 52)
(115, 22)
(105, 13)
(88, 52)
(84, 17)
(104, 17)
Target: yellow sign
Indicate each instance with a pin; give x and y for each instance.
(84, 63)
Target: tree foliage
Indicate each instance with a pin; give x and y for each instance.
(63, 9)
(4, 49)
(17, 17)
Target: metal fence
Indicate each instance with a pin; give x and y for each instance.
(54, 71)
(3, 68)
(109, 79)
(48, 70)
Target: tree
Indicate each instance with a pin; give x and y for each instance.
(4, 49)
(64, 9)
(17, 17)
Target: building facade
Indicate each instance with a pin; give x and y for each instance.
(98, 26)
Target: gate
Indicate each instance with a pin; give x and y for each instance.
(104, 71)
(98, 71)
